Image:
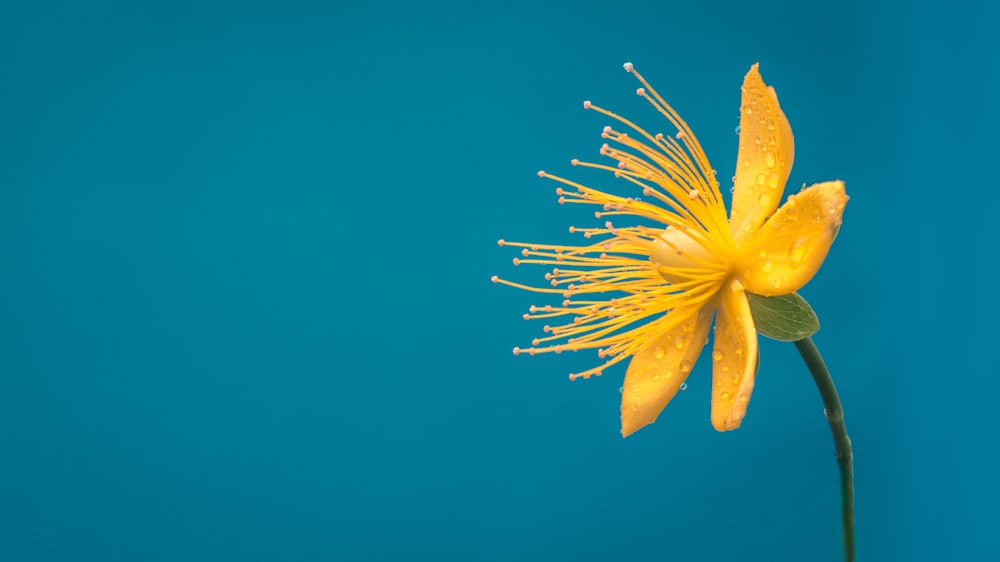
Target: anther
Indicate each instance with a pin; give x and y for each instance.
(640, 91)
(693, 194)
(628, 67)
(495, 279)
(517, 351)
(526, 316)
(516, 261)
(574, 162)
(586, 105)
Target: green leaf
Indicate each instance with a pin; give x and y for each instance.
(785, 318)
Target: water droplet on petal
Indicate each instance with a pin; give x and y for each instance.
(764, 199)
(621, 389)
(772, 180)
(686, 366)
(658, 352)
(744, 397)
(717, 355)
(770, 124)
(760, 179)
(670, 374)
(724, 395)
(684, 386)
(796, 252)
(763, 253)
(768, 266)
(635, 407)
(737, 129)
(679, 342)
(769, 159)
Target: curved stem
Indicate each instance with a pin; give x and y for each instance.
(842, 443)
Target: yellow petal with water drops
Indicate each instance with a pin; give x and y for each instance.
(764, 159)
(734, 357)
(787, 251)
(659, 368)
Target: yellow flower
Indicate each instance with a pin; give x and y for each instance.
(649, 292)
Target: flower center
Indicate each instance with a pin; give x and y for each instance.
(679, 257)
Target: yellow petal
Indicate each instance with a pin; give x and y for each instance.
(659, 367)
(764, 159)
(787, 251)
(734, 359)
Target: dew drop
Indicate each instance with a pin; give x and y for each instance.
(760, 179)
(769, 159)
(772, 180)
(764, 199)
(658, 352)
(684, 386)
(686, 366)
(717, 355)
(635, 407)
(796, 252)
(763, 254)
(670, 374)
(656, 377)
(744, 397)
(737, 129)
(679, 342)
(768, 266)
(746, 163)
(621, 389)
(770, 124)
(724, 395)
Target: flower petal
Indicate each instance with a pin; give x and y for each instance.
(787, 251)
(659, 367)
(734, 359)
(764, 159)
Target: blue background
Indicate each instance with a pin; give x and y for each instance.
(245, 309)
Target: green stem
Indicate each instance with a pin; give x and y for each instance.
(842, 443)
